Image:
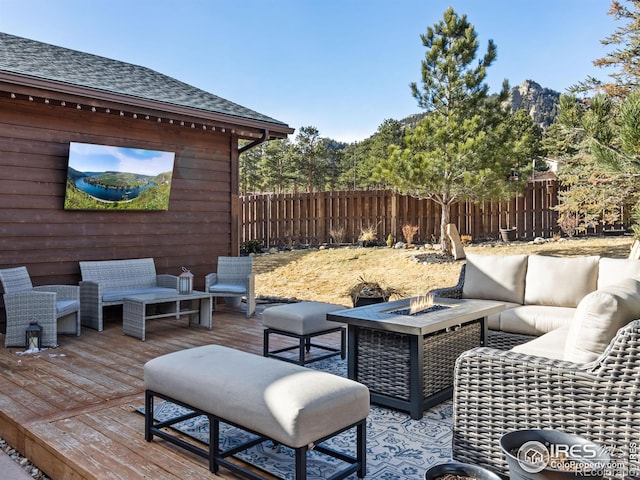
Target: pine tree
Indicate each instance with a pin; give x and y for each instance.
(249, 170)
(310, 158)
(276, 167)
(624, 57)
(464, 145)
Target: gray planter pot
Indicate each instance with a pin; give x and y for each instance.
(508, 234)
(362, 301)
(460, 469)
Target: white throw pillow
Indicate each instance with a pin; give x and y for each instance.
(560, 281)
(495, 277)
(598, 317)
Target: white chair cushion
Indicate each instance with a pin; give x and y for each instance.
(598, 317)
(495, 277)
(612, 270)
(535, 319)
(65, 307)
(560, 281)
(118, 295)
(550, 345)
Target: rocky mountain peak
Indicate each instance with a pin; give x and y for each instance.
(541, 103)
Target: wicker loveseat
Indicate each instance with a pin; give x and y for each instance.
(107, 282)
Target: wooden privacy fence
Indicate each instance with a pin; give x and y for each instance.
(292, 219)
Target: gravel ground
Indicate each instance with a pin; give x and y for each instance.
(23, 462)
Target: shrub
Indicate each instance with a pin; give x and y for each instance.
(390, 240)
(251, 246)
(569, 223)
(337, 234)
(369, 234)
(409, 231)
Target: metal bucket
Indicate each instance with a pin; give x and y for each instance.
(460, 469)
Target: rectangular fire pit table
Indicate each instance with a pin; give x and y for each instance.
(407, 360)
(137, 309)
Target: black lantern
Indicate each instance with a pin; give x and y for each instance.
(34, 337)
(185, 282)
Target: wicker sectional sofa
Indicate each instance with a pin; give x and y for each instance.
(541, 293)
(107, 282)
(578, 372)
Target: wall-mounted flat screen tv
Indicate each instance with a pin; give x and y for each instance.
(106, 177)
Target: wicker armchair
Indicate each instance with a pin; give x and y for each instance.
(56, 308)
(499, 391)
(234, 278)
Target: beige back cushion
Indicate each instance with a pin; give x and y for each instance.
(560, 281)
(612, 270)
(598, 317)
(495, 277)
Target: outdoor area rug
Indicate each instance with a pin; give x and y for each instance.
(397, 446)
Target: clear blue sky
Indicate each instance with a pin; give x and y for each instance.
(342, 66)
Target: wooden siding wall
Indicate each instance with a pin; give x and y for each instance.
(308, 218)
(36, 231)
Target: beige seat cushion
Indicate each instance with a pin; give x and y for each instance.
(598, 317)
(612, 270)
(560, 281)
(290, 404)
(301, 318)
(495, 277)
(550, 345)
(535, 319)
(493, 320)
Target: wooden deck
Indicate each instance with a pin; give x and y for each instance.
(71, 410)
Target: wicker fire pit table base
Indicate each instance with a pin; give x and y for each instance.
(405, 359)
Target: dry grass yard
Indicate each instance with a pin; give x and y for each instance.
(326, 275)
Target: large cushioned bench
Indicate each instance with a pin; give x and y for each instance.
(108, 282)
(289, 404)
(541, 293)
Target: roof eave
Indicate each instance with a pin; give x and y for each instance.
(92, 96)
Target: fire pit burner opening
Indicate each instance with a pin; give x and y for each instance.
(420, 306)
(424, 311)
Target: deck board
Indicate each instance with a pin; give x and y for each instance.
(72, 409)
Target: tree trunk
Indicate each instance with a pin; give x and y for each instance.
(445, 219)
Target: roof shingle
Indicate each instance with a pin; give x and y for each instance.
(49, 62)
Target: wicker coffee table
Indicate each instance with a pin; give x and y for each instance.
(407, 361)
(137, 309)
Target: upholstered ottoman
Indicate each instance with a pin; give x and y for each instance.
(289, 404)
(303, 321)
